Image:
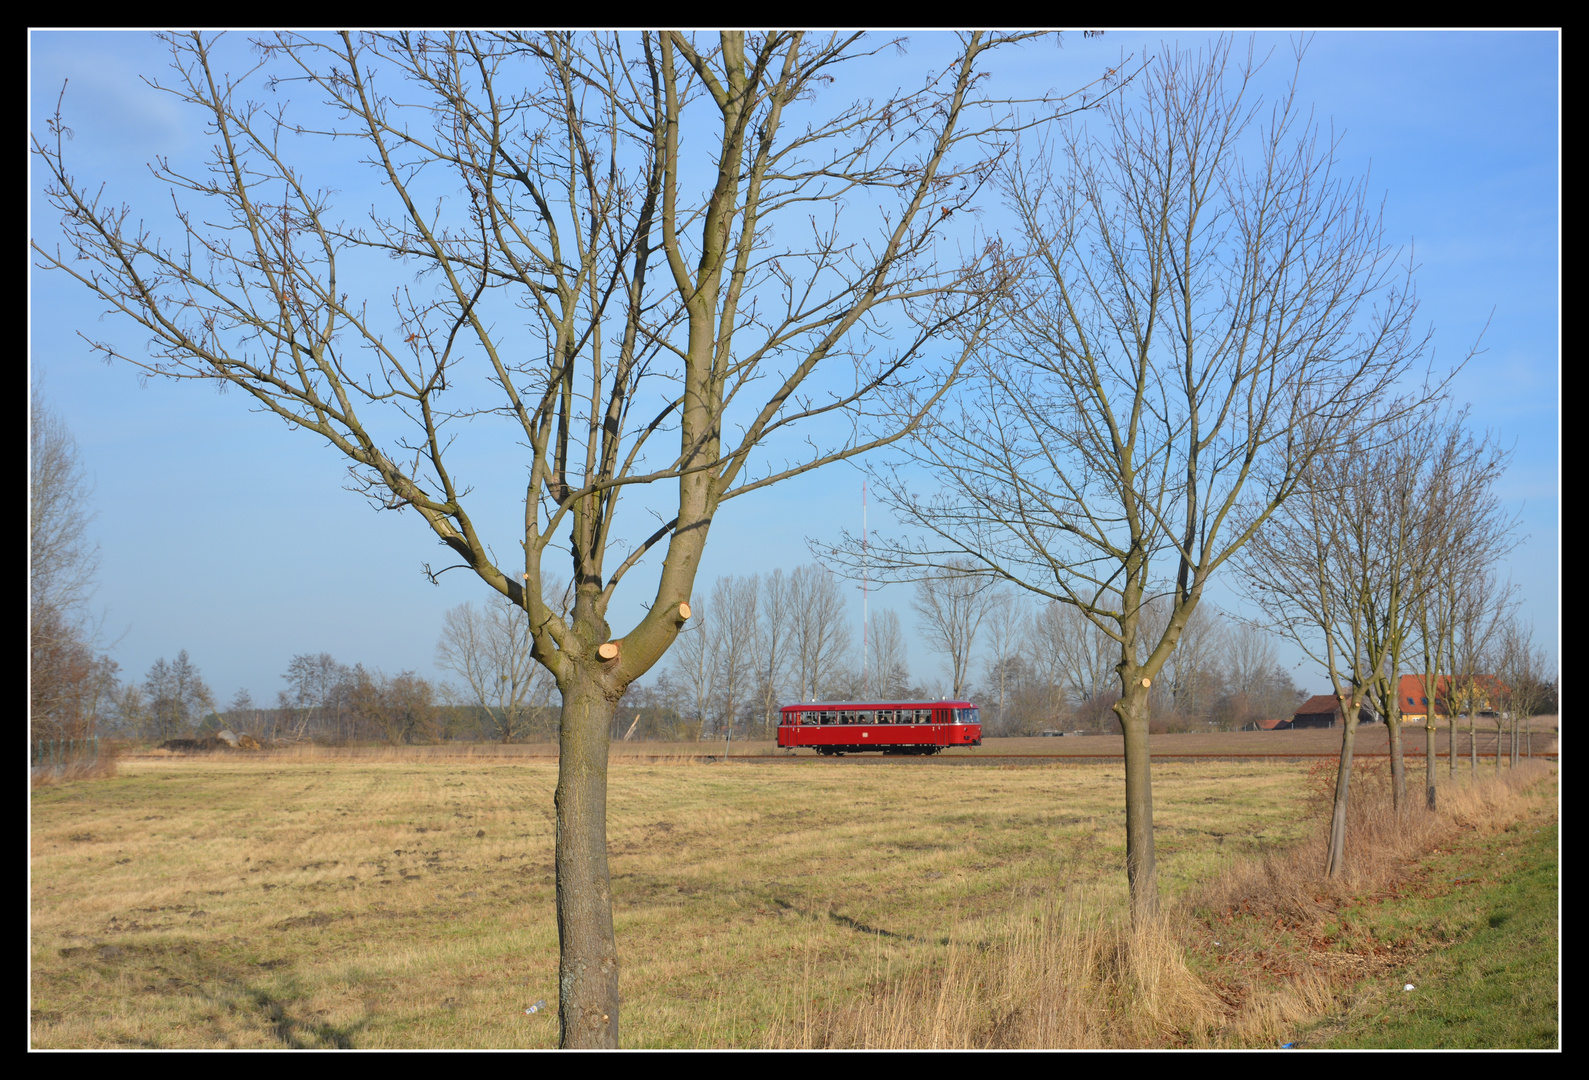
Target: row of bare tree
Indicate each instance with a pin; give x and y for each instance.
(1383, 564)
(761, 641)
(331, 702)
(1224, 675)
(324, 701)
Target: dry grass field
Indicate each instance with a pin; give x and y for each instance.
(404, 898)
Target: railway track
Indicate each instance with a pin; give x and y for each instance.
(1017, 759)
(952, 757)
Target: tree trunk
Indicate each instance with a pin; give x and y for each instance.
(1398, 766)
(1497, 744)
(588, 964)
(1141, 874)
(1430, 737)
(1473, 747)
(1335, 859)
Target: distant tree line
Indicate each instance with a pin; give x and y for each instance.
(756, 643)
(763, 640)
(324, 701)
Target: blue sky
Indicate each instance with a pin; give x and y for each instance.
(227, 535)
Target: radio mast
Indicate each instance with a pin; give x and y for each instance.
(866, 682)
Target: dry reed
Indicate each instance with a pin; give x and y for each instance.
(100, 767)
(1059, 974)
(1379, 842)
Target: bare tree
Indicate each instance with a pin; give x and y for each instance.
(67, 681)
(888, 665)
(1390, 495)
(62, 559)
(700, 238)
(400, 708)
(130, 708)
(1251, 655)
(1484, 605)
(821, 630)
(1009, 635)
(734, 602)
(317, 687)
(1248, 682)
(1429, 495)
(241, 712)
(694, 667)
(178, 697)
(774, 627)
(1461, 530)
(1436, 623)
(1192, 673)
(952, 603)
(1076, 655)
(1183, 316)
(490, 651)
(1525, 674)
(1316, 568)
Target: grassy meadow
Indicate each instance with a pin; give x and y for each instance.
(405, 899)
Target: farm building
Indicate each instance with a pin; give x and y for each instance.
(1324, 711)
(1279, 723)
(1481, 693)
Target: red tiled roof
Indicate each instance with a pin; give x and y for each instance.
(1414, 699)
(1319, 703)
(1270, 725)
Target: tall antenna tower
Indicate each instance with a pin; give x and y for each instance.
(866, 681)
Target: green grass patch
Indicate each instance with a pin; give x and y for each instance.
(1489, 909)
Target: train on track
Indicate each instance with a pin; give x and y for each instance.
(889, 727)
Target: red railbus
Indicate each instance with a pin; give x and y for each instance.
(892, 727)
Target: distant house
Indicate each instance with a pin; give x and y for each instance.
(1482, 693)
(1324, 711)
(1279, 723)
